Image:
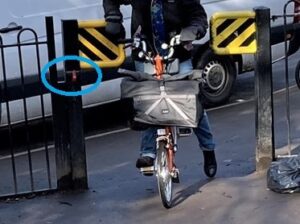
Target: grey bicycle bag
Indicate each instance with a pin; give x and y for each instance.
(169, 102)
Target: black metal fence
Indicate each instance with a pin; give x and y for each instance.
(27, 163)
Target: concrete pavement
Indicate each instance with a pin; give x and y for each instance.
(119, 194)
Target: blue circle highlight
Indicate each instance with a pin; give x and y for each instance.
(74, 93)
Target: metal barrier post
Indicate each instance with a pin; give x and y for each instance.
(77, 141)
(67, 116)
(74, 107)
(264, 125)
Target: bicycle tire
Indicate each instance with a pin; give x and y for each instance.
(297, 74)
(164, 177)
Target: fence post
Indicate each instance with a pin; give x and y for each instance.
(264, 125)
(74, 105)
(67, 113)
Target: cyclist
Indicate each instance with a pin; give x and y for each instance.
(159, 21)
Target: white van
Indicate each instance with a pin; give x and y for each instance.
(220, 71)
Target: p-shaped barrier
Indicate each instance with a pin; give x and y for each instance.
(245, 32)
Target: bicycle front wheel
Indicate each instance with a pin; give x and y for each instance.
(297, 74)
(164, 177)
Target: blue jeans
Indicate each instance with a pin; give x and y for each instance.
(203, 131)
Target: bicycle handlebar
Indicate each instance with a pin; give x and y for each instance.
(140, 43)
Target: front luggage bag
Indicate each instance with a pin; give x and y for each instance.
(171, 103)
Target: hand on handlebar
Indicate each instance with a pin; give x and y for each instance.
(192, 33)
(188, 45)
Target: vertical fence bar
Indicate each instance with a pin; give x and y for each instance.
(263, 92)
(51, 47)
(6, 98)
(287, 84)
(25, 110)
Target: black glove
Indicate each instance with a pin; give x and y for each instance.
(115, 30)
(191, 33)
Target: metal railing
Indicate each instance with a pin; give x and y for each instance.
(25, 162)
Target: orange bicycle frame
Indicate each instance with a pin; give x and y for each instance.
(159, 66)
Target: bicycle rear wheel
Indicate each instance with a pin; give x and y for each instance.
(297, 74)
(164, 177)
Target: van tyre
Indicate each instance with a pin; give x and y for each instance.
(219, 73)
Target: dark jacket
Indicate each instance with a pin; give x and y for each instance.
(187, 15)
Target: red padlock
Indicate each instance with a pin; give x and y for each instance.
(74, 76)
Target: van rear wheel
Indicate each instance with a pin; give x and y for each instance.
(219, 73)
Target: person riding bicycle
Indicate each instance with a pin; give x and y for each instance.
(159, 21)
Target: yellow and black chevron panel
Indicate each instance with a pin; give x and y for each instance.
(93, 44)
(233, 32)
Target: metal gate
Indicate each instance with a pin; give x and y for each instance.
(290, 123)
(27, 159)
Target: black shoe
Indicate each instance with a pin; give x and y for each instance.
(144, 161)
(210, 163)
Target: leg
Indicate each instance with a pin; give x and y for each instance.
(204, 134)
(207, 145)
(148, 148)
(148, 144)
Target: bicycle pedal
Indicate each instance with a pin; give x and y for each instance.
(175, 176)
(147, 171)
